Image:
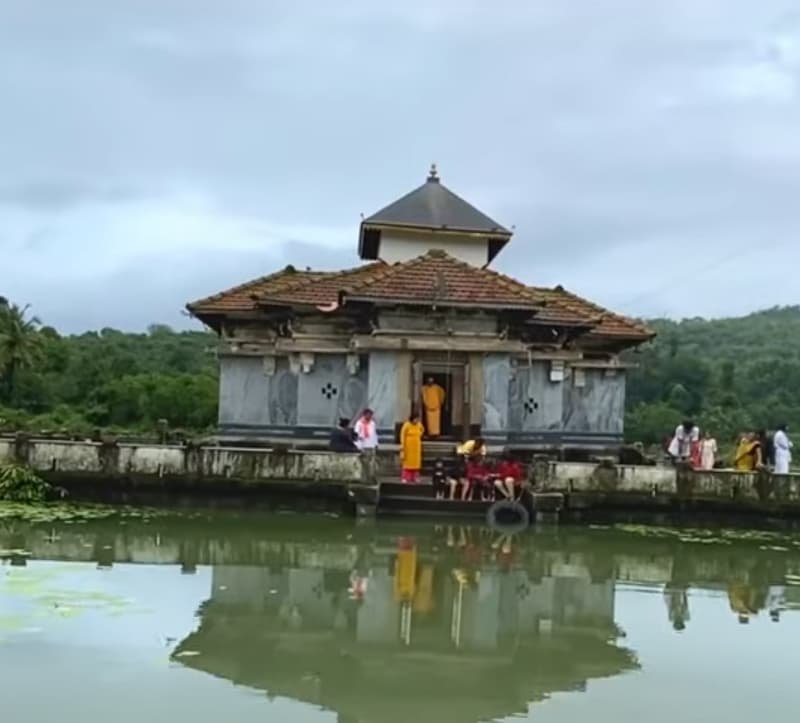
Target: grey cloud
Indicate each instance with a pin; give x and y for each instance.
(54, 195)
(611, 133)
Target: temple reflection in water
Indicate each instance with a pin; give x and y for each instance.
(489, 628)
(397, 621)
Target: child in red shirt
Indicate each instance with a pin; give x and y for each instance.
(510, 475)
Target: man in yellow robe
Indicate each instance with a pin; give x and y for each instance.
(433, 397)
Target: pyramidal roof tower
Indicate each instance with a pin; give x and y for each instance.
(431, 217)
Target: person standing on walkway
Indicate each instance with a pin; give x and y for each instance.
(680, 448)
(433, 397)
(748, 454)
(783, 450)
(411, 434)
(708, 451)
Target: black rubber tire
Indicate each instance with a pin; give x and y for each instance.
(508, 517)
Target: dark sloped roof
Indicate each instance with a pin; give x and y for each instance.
(434, 206)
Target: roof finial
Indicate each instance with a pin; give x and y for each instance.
(433, 175)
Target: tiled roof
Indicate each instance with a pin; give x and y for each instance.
(243, 297)
(433, 205)
(434, 278)
(438, 278)
(608, 324)
(322, 290)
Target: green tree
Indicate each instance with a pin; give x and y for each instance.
(20, 344)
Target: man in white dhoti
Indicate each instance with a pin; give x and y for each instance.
(783, 450)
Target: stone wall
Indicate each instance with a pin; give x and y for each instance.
(594, 401)
(382, 389)
(586, 403)
(496, 390)
(329, 391)
(248, 395)
(265, 395)
(535, 403)
(61, 460)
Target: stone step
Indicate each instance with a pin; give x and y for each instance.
(398, 489)
(402, 505)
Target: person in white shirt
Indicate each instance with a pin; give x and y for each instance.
(686, 435)
(783, 450)
(366, 432)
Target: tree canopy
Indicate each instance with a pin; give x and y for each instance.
(729, 375)
(107, 379)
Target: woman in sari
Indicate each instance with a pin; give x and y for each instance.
(748, 454)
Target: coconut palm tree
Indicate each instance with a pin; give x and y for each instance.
(20, 343)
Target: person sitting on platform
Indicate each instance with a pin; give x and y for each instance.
(457, 477)
(343, 439)
(472, 448)
(439, 479)
(411, 435)
(479, 476)
(509, 477)
(367, 432)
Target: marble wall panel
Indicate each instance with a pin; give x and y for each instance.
(382, 388)
(535, 403)
(496, 382)
(598, 405)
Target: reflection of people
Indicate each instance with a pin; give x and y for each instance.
(433, 397)
(743, 600)
(343, 439)
(405, 570)
(783, 450)
(677, 599)
(776, 600)
(411, 434)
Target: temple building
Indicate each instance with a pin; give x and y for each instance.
(523, 366)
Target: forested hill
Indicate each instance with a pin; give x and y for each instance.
(729, 374)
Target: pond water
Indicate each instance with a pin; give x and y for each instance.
(147, 617)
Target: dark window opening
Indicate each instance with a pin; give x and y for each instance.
(370, 243)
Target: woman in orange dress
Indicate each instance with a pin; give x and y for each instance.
(411, 434)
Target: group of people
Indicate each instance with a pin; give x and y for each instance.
(470, 473)
(473, 475)
(361, 437)
(754, 450)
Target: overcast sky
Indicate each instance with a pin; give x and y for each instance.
(156, 151)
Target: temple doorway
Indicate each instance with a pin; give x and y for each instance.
(452, 378)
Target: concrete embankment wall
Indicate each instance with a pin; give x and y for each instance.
(106, 467)
(118, 465)
(587, 486)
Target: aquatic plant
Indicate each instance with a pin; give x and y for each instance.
(19, 483)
